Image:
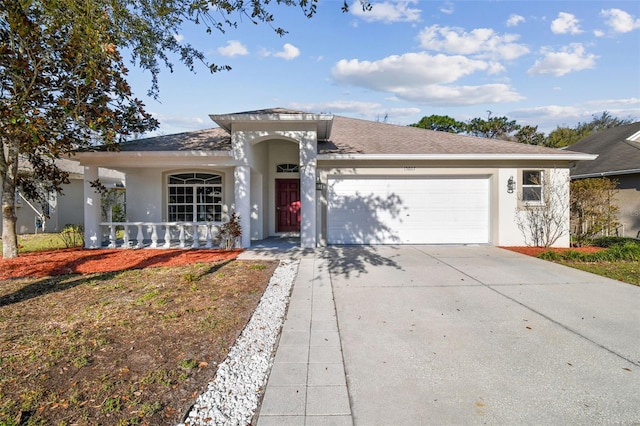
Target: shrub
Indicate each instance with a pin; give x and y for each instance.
(593, 211)
(550, 255)
(230, 231)
(628, 251)
(72, 236)
(613, 241)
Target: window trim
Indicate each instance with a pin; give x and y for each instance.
(197, 180)
(524, 185)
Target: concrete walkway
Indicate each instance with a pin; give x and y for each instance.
(307, 383)
(452, 335)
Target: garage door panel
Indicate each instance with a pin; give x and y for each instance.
(408, 211)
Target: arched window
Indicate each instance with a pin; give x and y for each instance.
(194, 197)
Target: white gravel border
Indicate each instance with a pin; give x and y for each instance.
(232, 398)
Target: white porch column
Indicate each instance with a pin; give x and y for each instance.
(92, 232)
(308, 162)
(242, 190)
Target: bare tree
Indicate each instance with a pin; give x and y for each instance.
(543, 217)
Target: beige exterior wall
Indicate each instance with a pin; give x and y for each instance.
(504, 230)
(628, 199)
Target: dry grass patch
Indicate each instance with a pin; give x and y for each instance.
(118, 348)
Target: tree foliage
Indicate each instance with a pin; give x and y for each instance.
(492, 127)
(566, 136)
(530, 135)
(503, 128)
(563, 136)
(593, 210)
(62, 86)
(442, 123)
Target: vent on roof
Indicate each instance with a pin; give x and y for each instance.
(635, 137)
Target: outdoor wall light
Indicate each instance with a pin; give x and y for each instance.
(511, 185)
(319, 184)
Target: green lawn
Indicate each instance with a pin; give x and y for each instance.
(39, 242)
(626, 271)
(620, 259)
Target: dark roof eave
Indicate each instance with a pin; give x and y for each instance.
(605, 174)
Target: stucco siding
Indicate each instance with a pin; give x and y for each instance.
(628, 199)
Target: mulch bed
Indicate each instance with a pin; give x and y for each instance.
(535, 251)
(83, 261)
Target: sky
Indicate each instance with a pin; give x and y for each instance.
(541, 63)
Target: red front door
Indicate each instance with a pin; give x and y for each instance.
(287, 205)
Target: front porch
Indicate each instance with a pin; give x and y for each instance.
(181, 188)
(185, 235)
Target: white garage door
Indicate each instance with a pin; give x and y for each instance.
(388, 210)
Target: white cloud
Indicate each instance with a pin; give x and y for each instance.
(410, 69)
(447, 8)
(620, 21)
(598, 33)
(178, 37)
(288, 52)
(388, 11)
(368, 110)
(233, 48)
(514, 20)
(482, 42)
(565, 23)
(443, 95)
(549, 117)
(170, 124)
(424, 78)
(571, 58)
(617, 102)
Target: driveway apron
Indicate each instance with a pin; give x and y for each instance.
(481, 335)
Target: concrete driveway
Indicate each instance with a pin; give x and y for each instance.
(481, 335)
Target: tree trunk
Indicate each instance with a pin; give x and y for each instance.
(9, 237)
(8, 175)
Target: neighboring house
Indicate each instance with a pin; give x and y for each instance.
(60, 209)
(618, 151)
(328, 179)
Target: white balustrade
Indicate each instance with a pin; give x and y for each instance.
(167, 235)
(112, 236)
(140, 236)
(154, 236)
(188, 234)
(125, 237)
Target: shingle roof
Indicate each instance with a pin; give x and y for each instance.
(352, 136)
(215, 139)
(615, 152)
